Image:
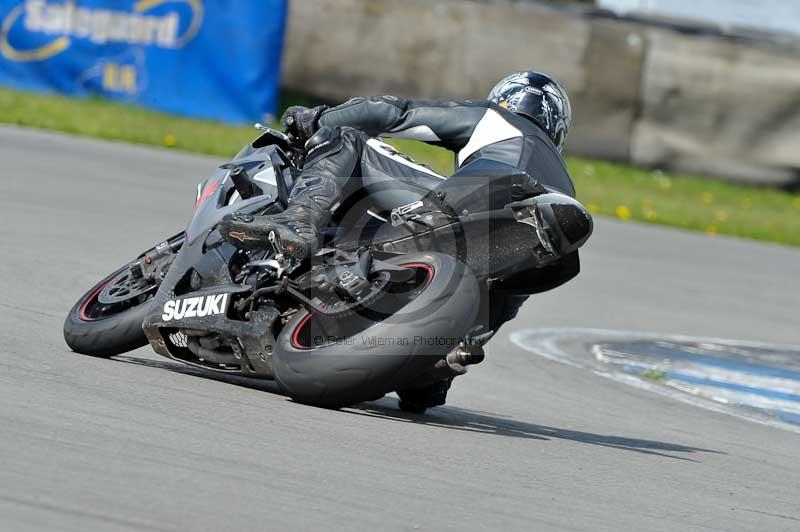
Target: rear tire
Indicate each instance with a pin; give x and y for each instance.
(105, 336)
(362, 368)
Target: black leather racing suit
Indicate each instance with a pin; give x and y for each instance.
(345, 147)
(472, 129)
(345, 160)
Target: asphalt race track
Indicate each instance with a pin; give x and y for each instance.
(525, 443)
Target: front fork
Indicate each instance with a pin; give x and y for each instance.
(154, 264)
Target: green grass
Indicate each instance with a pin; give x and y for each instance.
(616, 190)
(654, 375)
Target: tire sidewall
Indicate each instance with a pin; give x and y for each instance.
(360, 368)
(107, 336)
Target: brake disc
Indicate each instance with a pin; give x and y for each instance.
(124, 287)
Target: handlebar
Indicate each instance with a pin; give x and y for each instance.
(292, 146)
(280, 137)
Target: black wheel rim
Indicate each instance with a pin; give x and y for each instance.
(124, 288)
(120, 292)
(313, 333)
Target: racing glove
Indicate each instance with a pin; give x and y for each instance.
(302, 122)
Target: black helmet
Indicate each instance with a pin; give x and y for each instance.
(538, 97)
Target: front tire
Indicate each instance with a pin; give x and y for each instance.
(94, 334)
(374, 361)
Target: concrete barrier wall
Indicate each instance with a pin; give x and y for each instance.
(647, 95)
(721, 107)
(419, 48)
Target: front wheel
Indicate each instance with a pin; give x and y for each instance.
(107, 320)
(364, 356)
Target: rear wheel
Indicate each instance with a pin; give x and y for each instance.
(366, 355)
(107, 320)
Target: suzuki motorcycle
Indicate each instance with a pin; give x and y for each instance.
(402, 294)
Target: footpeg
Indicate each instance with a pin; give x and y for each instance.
(403, 215)
(277, 249)
(466, 356)
(275, 242)
(458, 360)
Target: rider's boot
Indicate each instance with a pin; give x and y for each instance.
(297, 229)
(418, 400)
(332, 154)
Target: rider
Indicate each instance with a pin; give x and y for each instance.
(523, 124)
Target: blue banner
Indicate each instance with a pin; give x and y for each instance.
(215, 59)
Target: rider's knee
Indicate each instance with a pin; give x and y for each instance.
(323, 142)
(330, 140)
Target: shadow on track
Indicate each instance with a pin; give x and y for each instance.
(245, 382)
(449, 417)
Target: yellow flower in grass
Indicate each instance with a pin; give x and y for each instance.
(746, 203)
(170, 140)
(707, 198)
(623, 212)
(712, 230)
(721, 216)
(796, 202)
(650, 215)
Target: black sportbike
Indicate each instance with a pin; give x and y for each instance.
(401, 296)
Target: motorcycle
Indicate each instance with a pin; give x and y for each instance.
(400, 296)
